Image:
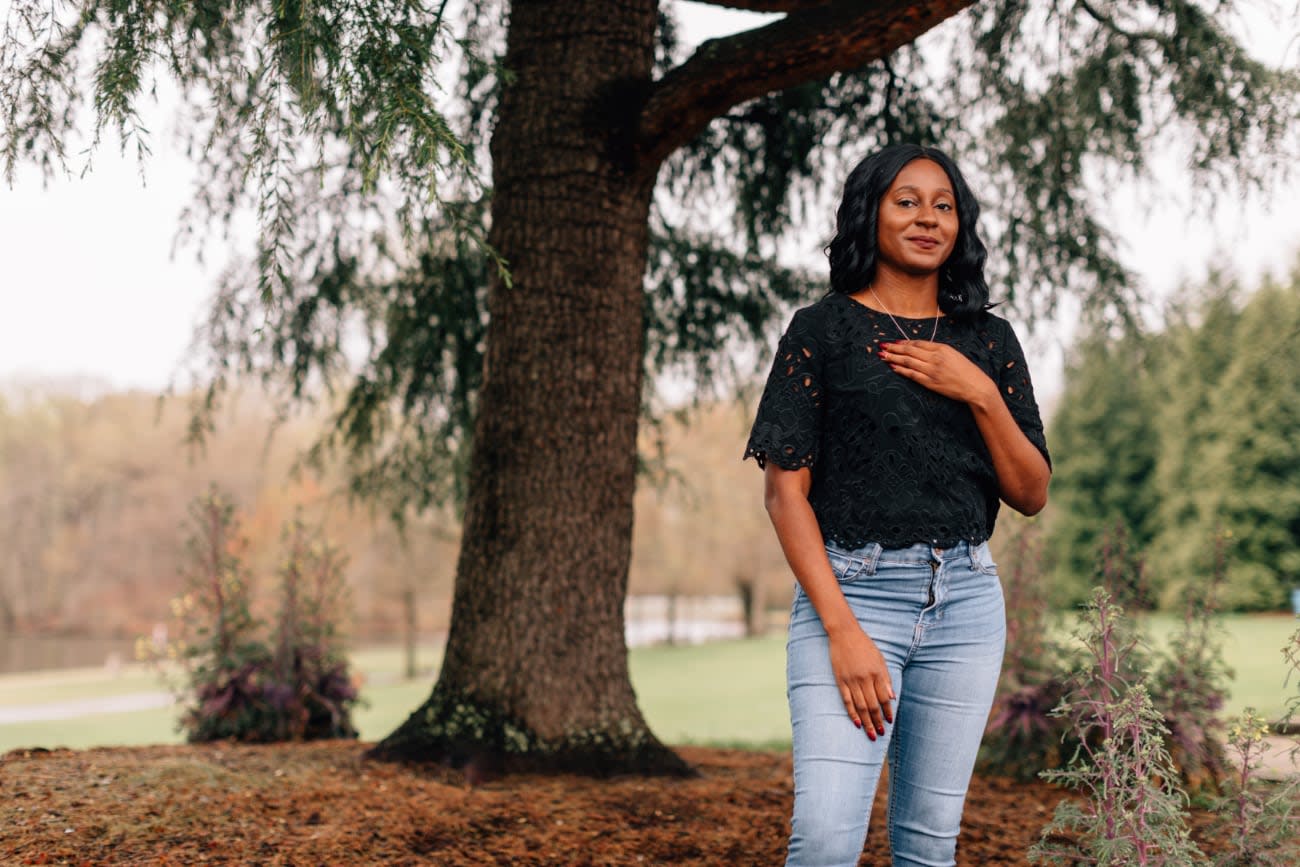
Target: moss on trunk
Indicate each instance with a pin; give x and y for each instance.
(459, 731)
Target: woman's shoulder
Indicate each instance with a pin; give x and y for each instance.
(823, 315)
(986, 322)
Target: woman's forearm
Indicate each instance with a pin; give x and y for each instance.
(801, 540)
(1022, 471)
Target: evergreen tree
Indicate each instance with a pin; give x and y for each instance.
(1189, 357)
(1253, 457)
(608, 150)
(1187, 438)
(1104, 446)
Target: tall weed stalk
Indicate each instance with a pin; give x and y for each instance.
(1256, 815)
(1133, 812)
(1259, 815)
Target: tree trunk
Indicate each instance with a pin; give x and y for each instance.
(753, 604)
(535, 674)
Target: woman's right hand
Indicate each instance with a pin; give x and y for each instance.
(863, 679)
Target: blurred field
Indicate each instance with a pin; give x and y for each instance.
(728, 693)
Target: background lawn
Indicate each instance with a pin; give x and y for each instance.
(729, 693)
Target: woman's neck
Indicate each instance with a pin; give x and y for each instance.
(915, 297)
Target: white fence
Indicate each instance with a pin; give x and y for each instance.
(682, 619)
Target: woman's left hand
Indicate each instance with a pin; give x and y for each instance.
(939, 368)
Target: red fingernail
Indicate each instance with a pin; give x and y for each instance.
(858, 723)
(881, 730)
(871, 734)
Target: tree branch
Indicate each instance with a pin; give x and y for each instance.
(767, 5)
(805, 45)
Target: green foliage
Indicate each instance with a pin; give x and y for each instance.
(1133, 811)
(352, 82)
(1104, 450)
(239, 682)
(1196, 447)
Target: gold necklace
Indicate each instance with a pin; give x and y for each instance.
(872, 290)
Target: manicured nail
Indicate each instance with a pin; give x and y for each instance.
(881, 731)
(871, 734)
(858, 723)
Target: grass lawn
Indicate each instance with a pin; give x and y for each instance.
(729, 693)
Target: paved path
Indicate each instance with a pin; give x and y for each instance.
(58, 710)
(1281, 759)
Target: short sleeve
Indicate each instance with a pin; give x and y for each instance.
(1018, 392)
(787, 427)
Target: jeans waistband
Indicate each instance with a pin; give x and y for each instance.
(921, 552)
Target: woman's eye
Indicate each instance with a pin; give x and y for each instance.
(944, 206)
(907, 203)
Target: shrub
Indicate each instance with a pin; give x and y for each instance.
(1133, 810)
(312, 691)
(1189, 685)
(1023, 737)
(239, 680)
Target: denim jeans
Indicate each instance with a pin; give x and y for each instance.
(938, 617)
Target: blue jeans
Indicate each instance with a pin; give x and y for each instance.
(938, 617)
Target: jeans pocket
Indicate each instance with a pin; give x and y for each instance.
(981, 559)
(845, 566)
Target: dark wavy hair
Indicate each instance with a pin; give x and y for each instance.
(853, 250)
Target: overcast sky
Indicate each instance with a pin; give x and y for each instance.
(88, 286)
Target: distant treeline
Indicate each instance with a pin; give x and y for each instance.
(1188, 438)
(94, 494)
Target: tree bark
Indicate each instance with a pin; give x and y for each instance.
(535, 674)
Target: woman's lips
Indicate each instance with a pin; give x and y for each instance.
(924, 242)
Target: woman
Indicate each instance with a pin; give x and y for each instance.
(898, 413)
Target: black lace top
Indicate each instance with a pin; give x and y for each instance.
(892, 462)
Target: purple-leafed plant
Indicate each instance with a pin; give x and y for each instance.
(236, 682)
(313, 691)
(1122, 570)
(1132, 812)
(1189, 685)
(215, 640)
(1023, 737)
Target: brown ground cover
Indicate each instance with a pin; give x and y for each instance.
(308, 804)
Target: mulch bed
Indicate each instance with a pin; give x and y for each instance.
(320, 803)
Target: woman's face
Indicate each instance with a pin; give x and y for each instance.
(917, 224)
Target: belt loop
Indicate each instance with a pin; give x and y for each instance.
(873, 557)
